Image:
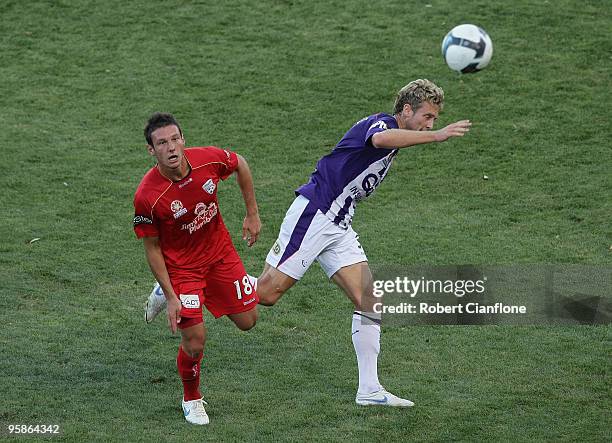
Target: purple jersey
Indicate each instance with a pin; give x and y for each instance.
(352, 171)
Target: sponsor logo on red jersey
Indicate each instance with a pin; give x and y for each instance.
(205, 213)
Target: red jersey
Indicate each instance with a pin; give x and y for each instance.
(185, 214)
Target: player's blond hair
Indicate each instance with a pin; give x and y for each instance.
(418, 92)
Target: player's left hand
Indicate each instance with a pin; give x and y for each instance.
(250, 229)
(457, 129)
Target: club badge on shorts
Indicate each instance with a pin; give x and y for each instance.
(190, 301)
(276, 248)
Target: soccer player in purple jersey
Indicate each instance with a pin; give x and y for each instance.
(317, 226)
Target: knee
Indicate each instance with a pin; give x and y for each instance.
(268, 293)
(246, 323)
(193, 347)
(266, 299)
(245, 320)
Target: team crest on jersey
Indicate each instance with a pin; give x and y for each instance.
(177, 208)
(209, 186)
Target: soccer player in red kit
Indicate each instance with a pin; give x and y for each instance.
(188, 247)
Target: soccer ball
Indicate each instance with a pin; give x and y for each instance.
(467, 48)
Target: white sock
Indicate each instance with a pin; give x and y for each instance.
(366, 340)
(253, 281)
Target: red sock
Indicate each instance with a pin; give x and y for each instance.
(189, 371)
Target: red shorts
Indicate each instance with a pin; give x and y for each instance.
(223, 287)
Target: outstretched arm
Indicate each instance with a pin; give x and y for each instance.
(403, 138)
(252, 224)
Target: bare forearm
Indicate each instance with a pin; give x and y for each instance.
(245, 182)
(156, 262)
(402, 138)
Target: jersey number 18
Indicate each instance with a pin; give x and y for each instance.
(246, 287)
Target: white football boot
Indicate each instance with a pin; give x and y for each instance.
(155, 303)
(381, 398)
(195, 413)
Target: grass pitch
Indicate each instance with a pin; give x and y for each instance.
(280, 82)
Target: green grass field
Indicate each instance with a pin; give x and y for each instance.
(280, 82)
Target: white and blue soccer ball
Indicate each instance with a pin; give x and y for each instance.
(467, 48)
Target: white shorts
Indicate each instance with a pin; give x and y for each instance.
(307, 235)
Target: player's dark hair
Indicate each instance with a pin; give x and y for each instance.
(416, 93)
(159, 120)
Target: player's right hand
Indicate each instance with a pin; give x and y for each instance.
(251, 228)
(174, 313)
(457, 129)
